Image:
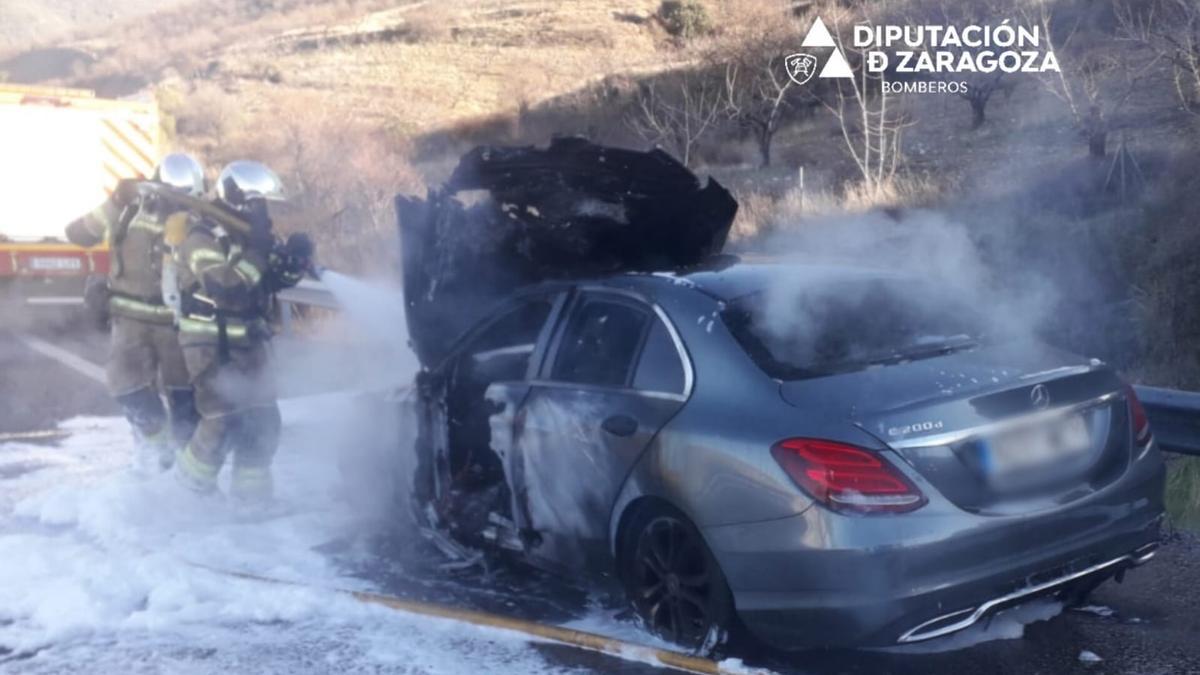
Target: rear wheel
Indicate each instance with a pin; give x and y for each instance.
(674, 583)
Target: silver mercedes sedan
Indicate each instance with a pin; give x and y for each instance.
(820, 456)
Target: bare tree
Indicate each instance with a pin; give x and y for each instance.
(1093, 83)
(871, 119)
(757, 91)
(981, 87)
(1172, 29)
(676, 117)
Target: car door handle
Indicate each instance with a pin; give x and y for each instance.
(620, 425)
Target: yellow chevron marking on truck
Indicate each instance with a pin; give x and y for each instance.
(131, 142)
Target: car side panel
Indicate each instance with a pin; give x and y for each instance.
(570, 468)
(712, 460)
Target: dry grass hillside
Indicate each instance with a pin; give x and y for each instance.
(432, 65)
(25, 23)
(422, 64)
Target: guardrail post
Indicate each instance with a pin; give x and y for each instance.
(285, 316)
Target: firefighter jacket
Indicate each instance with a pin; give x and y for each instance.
(225, 288)
(134, 234)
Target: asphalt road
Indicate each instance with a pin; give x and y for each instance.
(36, 390)
(1153, 627)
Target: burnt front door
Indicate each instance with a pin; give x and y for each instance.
(614, 376)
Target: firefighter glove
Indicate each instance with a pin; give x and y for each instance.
(292, 260)
(126, 192)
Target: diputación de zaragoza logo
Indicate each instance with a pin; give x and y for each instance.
(929, 50)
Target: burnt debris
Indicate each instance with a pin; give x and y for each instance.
(572, 210)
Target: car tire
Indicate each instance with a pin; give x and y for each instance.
(674, 583)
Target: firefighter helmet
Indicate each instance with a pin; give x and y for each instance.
(182, 172)
(243, 181)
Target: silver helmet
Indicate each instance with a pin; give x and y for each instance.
(243, 181)
(180, 171)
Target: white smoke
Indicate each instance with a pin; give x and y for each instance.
(913, 246)
(372, 431)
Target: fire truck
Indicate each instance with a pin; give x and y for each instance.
(62, 152)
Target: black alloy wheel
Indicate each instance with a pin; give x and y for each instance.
(675, 584)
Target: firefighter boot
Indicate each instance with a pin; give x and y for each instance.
(181, 403)
(255, 438)
(197, 465)
(251, 486)
(146, 414)
(151, 453)
(194, 473)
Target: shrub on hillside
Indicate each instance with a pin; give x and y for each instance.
(342, 177)
(685, 19)
(1160, 259)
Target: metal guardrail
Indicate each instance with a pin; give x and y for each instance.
(1174, 414)
(308, 292)
(1174, 418)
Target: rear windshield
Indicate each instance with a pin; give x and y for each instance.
(821, 329)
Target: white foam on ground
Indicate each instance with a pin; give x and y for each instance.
(1098, 610)
(99, 573)
(96, 447)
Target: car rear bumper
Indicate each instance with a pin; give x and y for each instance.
(823, 580)
(1045, 584)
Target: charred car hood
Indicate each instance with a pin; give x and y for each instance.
(571, 210)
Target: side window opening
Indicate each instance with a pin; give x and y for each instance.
(500, 353)
(600, 344)
(659, 367)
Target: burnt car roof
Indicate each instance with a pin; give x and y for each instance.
(745, 278)
(729, 281)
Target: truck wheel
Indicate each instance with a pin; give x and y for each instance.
(673, 581)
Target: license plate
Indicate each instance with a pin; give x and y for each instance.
(44, 264)
(1037, 446)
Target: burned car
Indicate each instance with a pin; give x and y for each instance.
(813, 453)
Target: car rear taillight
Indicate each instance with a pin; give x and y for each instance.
(845, 477)
(1137, 417)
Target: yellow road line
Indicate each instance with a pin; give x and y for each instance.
(566, 636)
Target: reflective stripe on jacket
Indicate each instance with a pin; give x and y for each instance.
(236, 330)
(230, 276)
(133, 308)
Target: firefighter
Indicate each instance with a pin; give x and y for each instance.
(229, 269)
(145, 353)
